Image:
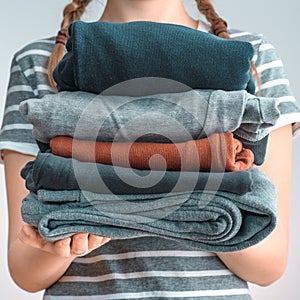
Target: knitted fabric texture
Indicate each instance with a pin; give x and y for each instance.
(194, 58)
(219, 152)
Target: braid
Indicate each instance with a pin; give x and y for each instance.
(219, 28)
(72, 12)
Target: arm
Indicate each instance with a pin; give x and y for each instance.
(265, 262)
(33, 263)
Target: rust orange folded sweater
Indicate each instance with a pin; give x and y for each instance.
(218, 153)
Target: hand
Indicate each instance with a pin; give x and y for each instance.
(77, 245)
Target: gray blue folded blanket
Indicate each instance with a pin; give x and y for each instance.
(214, 221)
(191, 57)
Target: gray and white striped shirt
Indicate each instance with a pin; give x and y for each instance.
(143, 268)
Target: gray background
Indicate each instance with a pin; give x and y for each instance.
(25, 21)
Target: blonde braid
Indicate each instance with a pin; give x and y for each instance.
(72, 12)
(219, 28)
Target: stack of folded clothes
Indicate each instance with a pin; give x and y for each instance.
(175, 160)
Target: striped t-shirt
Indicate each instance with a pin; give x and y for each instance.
(150, 267)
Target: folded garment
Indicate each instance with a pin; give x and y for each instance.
(218, 221)
(172, 51)
(258, 148)
(53, 172)
(162, 118)
(220, 152)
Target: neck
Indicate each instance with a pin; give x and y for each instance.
(164, 11)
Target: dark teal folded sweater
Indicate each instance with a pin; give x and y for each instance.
(102, 54)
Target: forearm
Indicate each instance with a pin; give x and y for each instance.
(266, 262)
(34, 263)
(34, 269)
(261, 264)
(31, 268)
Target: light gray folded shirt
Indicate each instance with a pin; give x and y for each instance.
(160, 118)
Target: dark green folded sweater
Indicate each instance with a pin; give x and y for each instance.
(102, 54)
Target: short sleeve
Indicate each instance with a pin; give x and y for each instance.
(273, 79)
(28, 79)
(274, 83)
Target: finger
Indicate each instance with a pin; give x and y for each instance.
(79, 244)
(62, 247)
(96, 241)
(105, 240)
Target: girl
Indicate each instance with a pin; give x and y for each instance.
(91, 267)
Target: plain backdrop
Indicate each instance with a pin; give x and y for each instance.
(25, 21)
